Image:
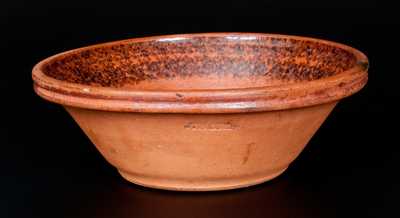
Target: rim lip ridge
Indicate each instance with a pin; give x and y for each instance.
(236, 100)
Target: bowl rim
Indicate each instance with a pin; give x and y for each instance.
(234, 100)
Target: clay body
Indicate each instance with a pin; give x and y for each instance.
(200, 112)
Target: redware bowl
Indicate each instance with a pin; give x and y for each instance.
(198, 112)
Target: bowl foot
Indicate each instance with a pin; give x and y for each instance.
(186, 185)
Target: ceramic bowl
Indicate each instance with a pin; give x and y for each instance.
(198, 112)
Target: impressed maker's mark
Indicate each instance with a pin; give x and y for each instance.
(211, 126)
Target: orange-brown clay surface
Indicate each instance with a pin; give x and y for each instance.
(202, 112)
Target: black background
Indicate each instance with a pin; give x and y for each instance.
(50, 169)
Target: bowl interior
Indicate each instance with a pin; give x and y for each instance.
(201, 62)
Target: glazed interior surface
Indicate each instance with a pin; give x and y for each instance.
(201, 62)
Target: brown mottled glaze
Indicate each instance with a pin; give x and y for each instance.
(206, 111)
(281, 59)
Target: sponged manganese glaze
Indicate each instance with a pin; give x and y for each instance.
(202, 112)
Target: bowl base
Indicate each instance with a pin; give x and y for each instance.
(201, 186)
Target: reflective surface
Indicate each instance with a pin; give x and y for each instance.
(117, 198)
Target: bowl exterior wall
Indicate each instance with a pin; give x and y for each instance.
(200, 152)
